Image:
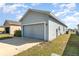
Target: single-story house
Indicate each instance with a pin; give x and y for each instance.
(2, 29)
(11, 26)
(77, 32)
(78, 27)
(41, 24)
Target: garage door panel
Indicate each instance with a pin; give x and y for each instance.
(27, 31)
(35, 31)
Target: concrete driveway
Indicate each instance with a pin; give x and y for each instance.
(12, 46)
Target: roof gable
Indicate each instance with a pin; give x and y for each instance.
(10, 22)
(44, 12)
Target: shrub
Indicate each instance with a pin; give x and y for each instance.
(67, 32)
(17, 33)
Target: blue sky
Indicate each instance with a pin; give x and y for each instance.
(68, 13)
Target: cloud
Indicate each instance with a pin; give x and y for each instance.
(64, 9)
(55, 4)
(34, 4)
(63, 13)
(19, 13)
(16, 9)
(2, 4)
(71, 20)
(69, 6)
(67, 13)
(20, 5)
(76, 14)
(7, 8)
(19, 16)
(12, 8)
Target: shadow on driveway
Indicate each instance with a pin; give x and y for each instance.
(17, 41)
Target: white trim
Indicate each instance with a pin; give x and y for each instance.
(22, 31)
(45, 31)
(33, 23)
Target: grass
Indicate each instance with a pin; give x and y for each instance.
(4, 36)
(47, 48)
(72, 48)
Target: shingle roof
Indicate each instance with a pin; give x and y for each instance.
(10, 22)
(45, 12)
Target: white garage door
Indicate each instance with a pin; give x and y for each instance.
(34, 31)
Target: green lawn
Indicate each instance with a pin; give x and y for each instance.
(72, 48)
(47, 48)
(4, 36)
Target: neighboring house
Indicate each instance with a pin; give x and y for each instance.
(78, 27)
(11, 26)
(41, 25)
(73, 31)
(2, 29)
(77, 32)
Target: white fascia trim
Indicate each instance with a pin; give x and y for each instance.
(22, 30)
(34, 23)
(45, 32)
